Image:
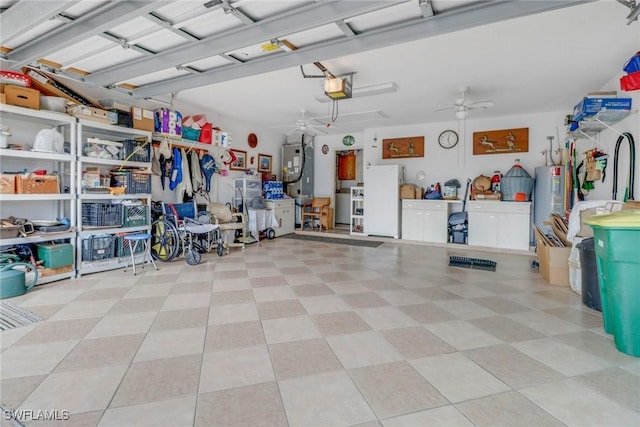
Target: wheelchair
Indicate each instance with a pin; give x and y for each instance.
(178, 228)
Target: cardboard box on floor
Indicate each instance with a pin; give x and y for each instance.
(554, 262)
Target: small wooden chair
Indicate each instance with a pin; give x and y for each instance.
(318, 210)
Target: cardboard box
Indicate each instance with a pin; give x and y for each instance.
(37, 184)
(91, 113)
(142, 119)
(21, 96)
(554, 262)
(7, 184)
(408, 191)
(91, 177)
(591, 106)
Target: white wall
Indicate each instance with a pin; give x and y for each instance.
(441, 165)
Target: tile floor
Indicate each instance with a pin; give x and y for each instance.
(289, 332)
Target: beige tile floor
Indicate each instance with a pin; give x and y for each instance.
(297, 333)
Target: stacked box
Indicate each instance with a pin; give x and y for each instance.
(168, 122)
(273, 190)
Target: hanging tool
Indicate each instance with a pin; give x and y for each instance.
(632, 167)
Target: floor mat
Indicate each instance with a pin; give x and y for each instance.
(475, 263)
(352, 242)
(12, 316)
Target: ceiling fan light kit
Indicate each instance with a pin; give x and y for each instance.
(463, 105)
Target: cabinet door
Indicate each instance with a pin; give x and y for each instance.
(513, 231)
(413, 224)
(286, 219)
(483, 229)
(435, 226)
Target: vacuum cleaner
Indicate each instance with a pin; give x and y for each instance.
(458, 222)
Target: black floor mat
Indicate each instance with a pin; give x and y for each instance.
(475, 263)
(342, 241)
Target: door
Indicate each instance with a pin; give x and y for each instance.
(483, 229)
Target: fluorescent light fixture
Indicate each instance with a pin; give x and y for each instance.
(337, 88)
(364, 91)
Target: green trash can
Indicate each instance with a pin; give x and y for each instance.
(617, 237)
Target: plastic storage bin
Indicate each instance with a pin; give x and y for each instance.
(101, 215)
(590, 286)
(616, 237)
(98, 247)
(56, 256)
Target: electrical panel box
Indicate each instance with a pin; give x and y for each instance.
(297, 166)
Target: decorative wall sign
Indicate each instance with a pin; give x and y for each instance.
(403, 147)
(264, 163)
(252, 140)
(505, 141)
(240, 163)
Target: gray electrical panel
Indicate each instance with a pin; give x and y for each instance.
(297, 166)
(297, 170)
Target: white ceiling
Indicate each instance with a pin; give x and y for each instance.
(535, 63)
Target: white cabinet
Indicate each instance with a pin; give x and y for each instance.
(103, 218)
(426, 220)
(284, 211)
(25, 124)
(357, 211)
(245, 190)
(503, 225)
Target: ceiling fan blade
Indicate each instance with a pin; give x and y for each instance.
(450, 107)
(482, 104)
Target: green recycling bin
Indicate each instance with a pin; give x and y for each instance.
(617, 243)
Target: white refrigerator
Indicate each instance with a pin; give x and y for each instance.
(382, 200)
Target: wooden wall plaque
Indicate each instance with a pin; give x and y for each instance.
(396, 148)
(505, 141)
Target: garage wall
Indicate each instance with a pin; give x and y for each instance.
(441, 165)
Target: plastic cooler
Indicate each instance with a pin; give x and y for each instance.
(616, 237)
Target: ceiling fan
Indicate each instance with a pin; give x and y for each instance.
(462, 105)
(303, 125)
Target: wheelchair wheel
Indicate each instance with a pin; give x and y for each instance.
(271, 234)
(165, 241)
(192, 256)
(220, 249)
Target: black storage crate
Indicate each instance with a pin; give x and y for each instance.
(134, 182)
(98, 247)
(122, 246)
(137, 150)
(101, 215)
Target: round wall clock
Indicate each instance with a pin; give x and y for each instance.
(252, 140)
(325, 149)
(348, 140)
(448, 139)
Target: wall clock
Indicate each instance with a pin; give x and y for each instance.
(252, 140)
(448, 139)
(348, 140)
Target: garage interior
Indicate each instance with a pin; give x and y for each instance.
(370, 330)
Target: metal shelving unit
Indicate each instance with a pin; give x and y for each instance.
(357, 211)
(25, 123)
(604, 119)
(106, 132)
